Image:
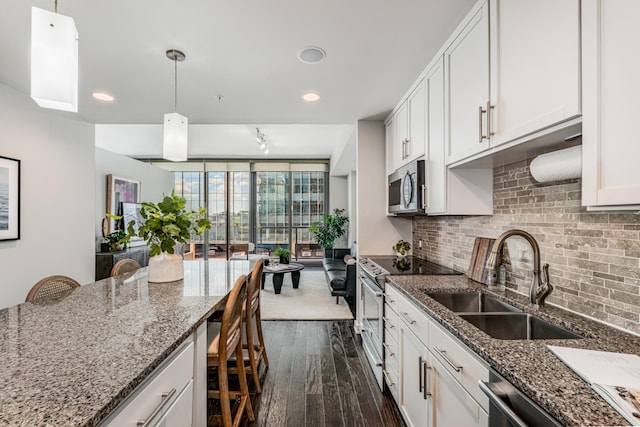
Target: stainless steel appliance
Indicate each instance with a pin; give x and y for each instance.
(373, 276)
(407, 189)
(509, 407)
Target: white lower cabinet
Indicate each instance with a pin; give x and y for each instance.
(452, 405)
(437, 376)
(174, 395)
(415, 398)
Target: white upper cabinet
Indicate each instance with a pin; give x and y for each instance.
(535, 66)
(390, 146)
(409, 123)
(511, 73)
(610, 61)
(466, 67)
(436, 171)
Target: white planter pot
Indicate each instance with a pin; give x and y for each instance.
(165, 268)
(401, 256)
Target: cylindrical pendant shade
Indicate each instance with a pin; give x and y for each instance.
(54, 60)
(174, 146)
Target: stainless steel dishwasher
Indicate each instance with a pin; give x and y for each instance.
(509, 407)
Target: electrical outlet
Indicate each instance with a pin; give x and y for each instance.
(419, 244)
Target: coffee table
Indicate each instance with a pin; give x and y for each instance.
(278, 272)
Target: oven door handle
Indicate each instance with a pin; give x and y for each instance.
(503, 407)
(371, 289)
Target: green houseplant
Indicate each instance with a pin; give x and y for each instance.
(332, 227)
(401, 248)
(284, 254)
(165, 225)
(117, 240)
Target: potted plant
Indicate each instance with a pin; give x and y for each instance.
(117, 240)
(284, 254)
(333, 226)
(401, 248)
(165, 225)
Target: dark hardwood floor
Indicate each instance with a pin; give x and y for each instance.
(318, 376)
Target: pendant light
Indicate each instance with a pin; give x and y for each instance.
(54, 60)
(174, 145)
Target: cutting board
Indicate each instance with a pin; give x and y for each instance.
(478, 264)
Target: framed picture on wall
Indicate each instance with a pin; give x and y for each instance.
(9, 198)
(120, 190)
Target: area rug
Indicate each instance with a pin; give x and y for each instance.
(311, 301)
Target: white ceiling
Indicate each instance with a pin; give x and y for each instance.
(246, 51)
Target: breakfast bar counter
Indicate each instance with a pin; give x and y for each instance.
(71, 361)
(528, 364)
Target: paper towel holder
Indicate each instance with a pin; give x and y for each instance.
(557, 165)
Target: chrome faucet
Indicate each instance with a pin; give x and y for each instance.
(540, 285)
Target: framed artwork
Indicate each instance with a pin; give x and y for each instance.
(9, 198)
(120, 190)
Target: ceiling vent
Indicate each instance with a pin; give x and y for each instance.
(311, 54)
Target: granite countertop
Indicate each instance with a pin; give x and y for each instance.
(529, 365)
(70, 361)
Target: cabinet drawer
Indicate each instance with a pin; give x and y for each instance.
(415, 319)
(465, 367)
(180, 414)
(392, 354)
(391, 378)
(391, 297)
(391, 323)
(171, 378)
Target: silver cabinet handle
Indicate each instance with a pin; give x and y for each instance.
(442, 354)
(424, 196)
(408, 147)
(420, 377)
(391, 325)
(166, 398)
(503, 407)
(426, 392)
(489, 108)
(386, 377)
(386, 347)
(411, 322)
(480, 136)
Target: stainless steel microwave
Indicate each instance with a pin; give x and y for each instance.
(406, 189)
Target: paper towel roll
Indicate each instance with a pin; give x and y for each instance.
(558, 165)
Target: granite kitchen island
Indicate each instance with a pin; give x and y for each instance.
(71, 361)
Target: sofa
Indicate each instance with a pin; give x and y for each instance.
(340, 270)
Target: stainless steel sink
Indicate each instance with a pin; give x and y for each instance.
(472, 302)
(517, 326)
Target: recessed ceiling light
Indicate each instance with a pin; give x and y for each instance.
(311, 97)
(311, 54)
(103, 96)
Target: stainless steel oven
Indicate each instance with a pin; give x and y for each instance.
(372, 299)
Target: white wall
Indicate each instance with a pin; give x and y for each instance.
(376, 232)
(56, 151)
(338, 193)
(353, 206)
(154, 182)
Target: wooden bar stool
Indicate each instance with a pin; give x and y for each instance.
(124, 266)
(253, 325)
(51, 286)
(227, 344)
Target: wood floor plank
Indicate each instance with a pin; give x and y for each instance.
(330, 393)
(313, 385)
(274, 348)
(348, 340)
(277, 415)
(348, 396)
(296, 402)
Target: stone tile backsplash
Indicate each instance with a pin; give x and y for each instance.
(594, 257)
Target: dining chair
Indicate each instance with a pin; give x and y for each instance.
(253, 325)
(51, 286)
(124, 266)
(227, 345)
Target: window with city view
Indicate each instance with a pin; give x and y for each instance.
(285, 204)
